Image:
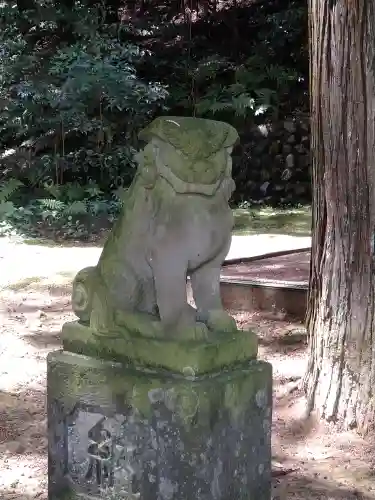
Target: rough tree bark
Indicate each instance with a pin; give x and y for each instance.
(340, 379)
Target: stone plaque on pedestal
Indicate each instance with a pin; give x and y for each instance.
(120, 433)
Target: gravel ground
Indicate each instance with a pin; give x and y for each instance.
(311, 462)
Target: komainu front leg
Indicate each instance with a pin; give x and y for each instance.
(205, 283)
(178, 318)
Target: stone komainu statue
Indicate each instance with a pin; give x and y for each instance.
(175, 222)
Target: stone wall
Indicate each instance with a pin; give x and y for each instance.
(272, 164)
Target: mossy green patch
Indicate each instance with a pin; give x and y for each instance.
(187, 357)
(185, 423)
(295, 221)
(24, 283)
(75, 377)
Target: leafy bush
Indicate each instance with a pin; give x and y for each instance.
(79, 78)
(6, 191)
(72, 100)
(69, 211)
(253, 91)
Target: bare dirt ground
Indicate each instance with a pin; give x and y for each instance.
(311, 461)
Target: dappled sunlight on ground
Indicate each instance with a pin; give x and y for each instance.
(310, 461)
(23, 443)
(22, 264)
(19, 479)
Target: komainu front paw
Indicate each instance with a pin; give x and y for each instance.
(198, 332)
(221, 321)
(201, 331)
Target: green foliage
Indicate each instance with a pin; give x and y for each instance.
(69, 87)
(74, 211)
(79, 78)
(240, 63)
(248, 94)
(6, 191)
(50, 218)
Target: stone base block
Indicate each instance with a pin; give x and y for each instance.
(119, 433)
(172, 355)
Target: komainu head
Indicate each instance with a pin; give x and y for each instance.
(191, 154)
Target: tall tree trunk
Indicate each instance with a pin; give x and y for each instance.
(340, 379)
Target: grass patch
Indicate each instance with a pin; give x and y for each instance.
(290, 221)
(60, 283)
(24, 283)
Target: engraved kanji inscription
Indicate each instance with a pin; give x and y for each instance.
(101, 459)
(100, 453)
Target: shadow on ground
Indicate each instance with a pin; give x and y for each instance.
(288, 341)
(295, 430)
(38, 305)
(10, 495)
(48, 340)
(300, 486)
(20, 412)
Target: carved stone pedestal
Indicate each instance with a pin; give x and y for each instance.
(117, 432)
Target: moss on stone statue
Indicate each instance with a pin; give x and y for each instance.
(189, 424)
(197, 140)
(192, 357)
(87, 380)
(176, 221)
